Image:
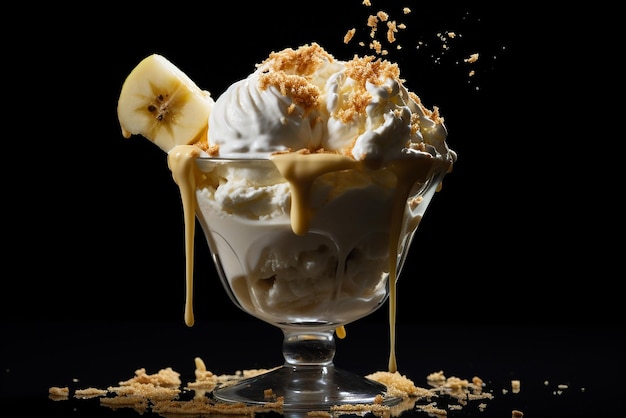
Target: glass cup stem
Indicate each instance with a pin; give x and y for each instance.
(308, 380)
(308, 348)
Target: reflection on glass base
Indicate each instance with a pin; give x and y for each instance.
(306, 388)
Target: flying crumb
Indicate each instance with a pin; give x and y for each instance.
(391, 32)
(515, 386)
(372, 22)
(376, 46)
(349, 35)
(472, 58)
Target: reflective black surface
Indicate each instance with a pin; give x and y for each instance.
(564, 371)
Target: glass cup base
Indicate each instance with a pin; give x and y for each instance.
(307, 388)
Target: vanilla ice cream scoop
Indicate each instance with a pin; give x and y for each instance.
(257, 122)
(276, 108)
(305, 99)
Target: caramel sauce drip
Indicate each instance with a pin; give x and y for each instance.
(182, 163)
(301, 170)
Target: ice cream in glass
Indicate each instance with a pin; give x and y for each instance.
(309, 178)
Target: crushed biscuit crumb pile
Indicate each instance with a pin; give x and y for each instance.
(164, 393)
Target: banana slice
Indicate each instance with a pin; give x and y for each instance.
(161, 103)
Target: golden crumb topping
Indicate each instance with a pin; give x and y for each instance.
(369, 69)
(363, 70)
(305, 60)
(297, 87)
(290, 70)
(213, 150)
(433, 115)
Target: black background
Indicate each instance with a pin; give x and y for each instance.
(520, 232)
(524, 233)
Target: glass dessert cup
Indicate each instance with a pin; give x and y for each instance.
(310, 284)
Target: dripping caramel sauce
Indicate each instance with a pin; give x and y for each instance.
(301, 170)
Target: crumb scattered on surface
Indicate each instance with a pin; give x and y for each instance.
(399, 385)
(433, 409)
(320, 414)
(89, 393)
(59, 391)
(161, 393)
(164, 377)
(352, 408)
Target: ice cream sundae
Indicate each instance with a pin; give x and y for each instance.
(309, 178)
